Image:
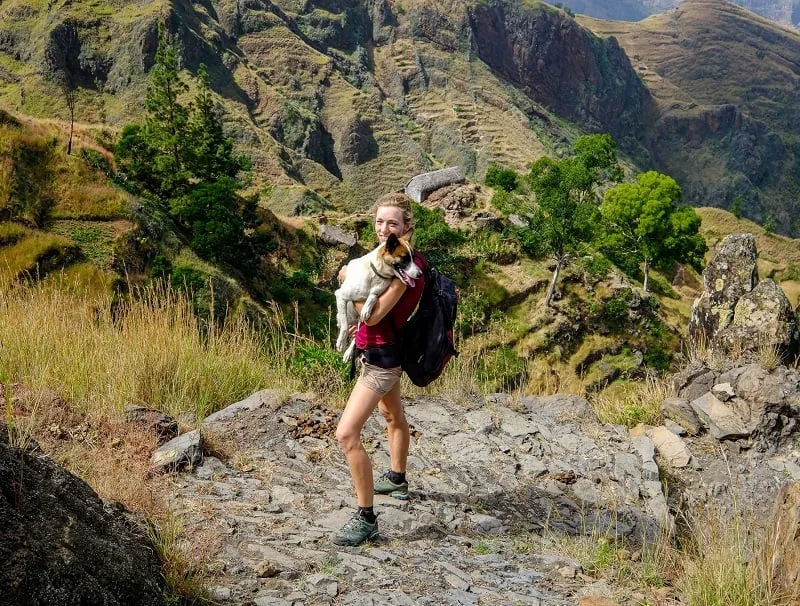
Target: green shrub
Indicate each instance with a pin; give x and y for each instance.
(501, 178)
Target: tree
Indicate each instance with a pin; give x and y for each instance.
(501, 178)
(562, 211)
(211, 154)
(643, 219)
(182, 158)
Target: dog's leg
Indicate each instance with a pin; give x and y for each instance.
(341, 320)
(351, 351)
(369, 305)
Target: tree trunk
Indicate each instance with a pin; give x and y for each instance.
(549, 298)
(71, 129)
(646, 275)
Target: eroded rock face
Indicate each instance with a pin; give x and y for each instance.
(60, 545)
(736, 314)
(731, 273)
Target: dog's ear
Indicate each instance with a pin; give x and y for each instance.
(392, 242)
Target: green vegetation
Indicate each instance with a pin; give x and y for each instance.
(181, 159)
(643, 223)
(561, 211)
(501, 178)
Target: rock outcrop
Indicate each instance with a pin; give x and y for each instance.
(738, 315)
(61, 545)
(751, 405)
(784, 559)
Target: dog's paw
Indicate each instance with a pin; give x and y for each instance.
(341, 342)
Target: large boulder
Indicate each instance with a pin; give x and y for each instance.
(762, 318)
(736, 315)
(61, 545)
(731, 273)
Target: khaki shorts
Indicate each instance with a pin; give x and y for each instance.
(380, 380)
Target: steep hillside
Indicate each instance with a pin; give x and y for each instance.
(726, 84)
(785, 12)
(338, 103)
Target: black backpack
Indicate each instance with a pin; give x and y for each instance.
(427, 338)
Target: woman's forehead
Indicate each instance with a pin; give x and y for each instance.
(388, 213)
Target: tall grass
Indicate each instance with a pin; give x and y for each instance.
(632, 403)
(100, 354)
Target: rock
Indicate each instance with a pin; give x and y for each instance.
(336, 236)
(680, 411)
(184, 451)
(60, 544)
(670, 446)
(723, 391)
(420, 186)
(674, 427)
(720, 420)
(731, 273)
(783, 549)
(762, 319)
(164, 425)
(266, 397)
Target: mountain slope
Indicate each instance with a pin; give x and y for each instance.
(726, 84)
(785, 12)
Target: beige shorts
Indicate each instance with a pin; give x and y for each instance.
(380, 380)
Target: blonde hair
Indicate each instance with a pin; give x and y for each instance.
(401, 201)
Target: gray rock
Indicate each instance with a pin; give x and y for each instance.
(266, 397)
(680, 411)
(336, 236)
(731, 273)
(184, 451)
(164, 425)
(421, 186)
(720, 420)
(60, 544)
(723, 391)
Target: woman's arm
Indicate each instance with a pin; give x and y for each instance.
(385, 302)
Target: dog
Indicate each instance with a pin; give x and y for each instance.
(366, 279)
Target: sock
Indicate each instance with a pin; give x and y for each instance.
(367, 514)
(396, 477)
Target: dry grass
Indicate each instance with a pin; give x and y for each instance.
(632, 403)
(150, 351)
(718, 567)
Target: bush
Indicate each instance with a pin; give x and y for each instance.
(501, 178)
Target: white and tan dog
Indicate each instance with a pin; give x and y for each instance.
(366, 279)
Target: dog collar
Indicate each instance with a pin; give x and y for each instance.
(379, 274)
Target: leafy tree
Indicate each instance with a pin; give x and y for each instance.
(736, 208)
(643, 220)
(501, 178)
(181, 157)
(562, 210)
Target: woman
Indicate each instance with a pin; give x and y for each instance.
(379, 384)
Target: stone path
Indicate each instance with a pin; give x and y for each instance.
(484, 475)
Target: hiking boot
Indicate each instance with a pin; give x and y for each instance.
(383, 485)
(355, 531)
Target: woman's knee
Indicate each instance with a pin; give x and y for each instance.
(348, 438)
(394, 416)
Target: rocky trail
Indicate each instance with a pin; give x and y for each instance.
(496, 484)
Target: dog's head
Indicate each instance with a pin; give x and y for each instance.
(396, 254)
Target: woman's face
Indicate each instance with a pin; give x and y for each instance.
(389, 220)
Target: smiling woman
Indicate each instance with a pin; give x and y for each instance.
(379, 383)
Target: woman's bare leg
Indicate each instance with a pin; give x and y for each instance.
(397, 429)
(359, 407)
